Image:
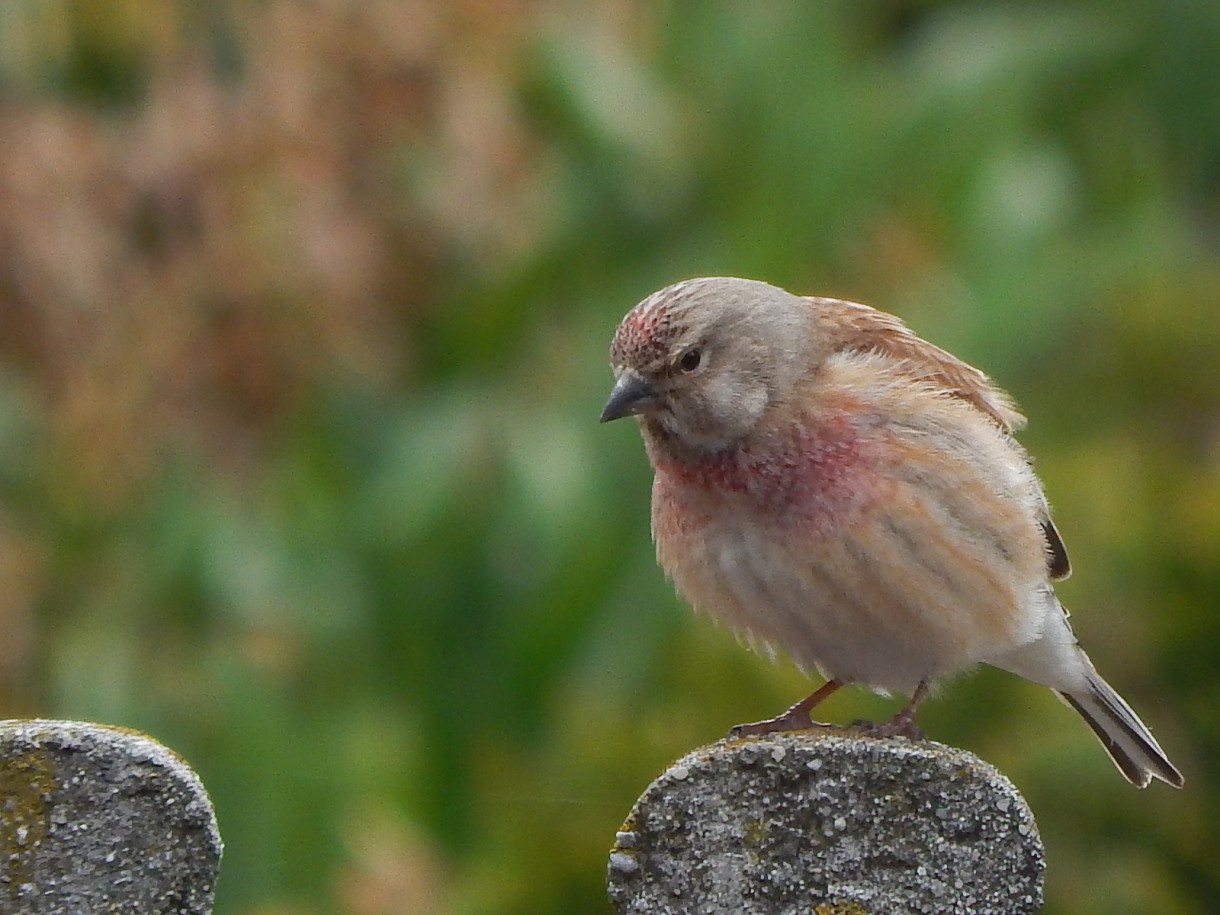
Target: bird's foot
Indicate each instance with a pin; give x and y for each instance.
(899, 726)
(795, 719)
(781, 723)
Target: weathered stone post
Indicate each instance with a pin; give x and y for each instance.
(827, 823)
(101, 819)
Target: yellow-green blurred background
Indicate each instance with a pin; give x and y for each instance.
(304, 309)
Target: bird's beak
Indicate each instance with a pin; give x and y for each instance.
(632, 394)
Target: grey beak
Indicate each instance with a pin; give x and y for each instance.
(632, 394)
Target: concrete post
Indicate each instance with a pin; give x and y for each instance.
(827, 823)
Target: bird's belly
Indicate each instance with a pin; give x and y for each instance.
(877, 599)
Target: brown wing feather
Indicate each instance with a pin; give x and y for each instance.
(867, 329)
(1057, 561)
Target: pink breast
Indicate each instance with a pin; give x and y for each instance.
(811, 481)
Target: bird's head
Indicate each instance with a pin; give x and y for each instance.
(704, 359)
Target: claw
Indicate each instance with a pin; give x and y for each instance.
(898, 726)
(795, 719)
(901, 725)
(778, 724)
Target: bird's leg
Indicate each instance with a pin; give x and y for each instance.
(903, 724)
(795, 719)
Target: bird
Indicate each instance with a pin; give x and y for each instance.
(830, 484)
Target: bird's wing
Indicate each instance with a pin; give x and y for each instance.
(866, 329)
(1057, 563)
(869, 330)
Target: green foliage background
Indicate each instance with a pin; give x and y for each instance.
(304, 309)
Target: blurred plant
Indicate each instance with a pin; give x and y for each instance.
(303, 314)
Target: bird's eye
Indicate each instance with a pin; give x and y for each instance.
(690, 360)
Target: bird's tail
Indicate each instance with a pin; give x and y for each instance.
(1128, 741)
